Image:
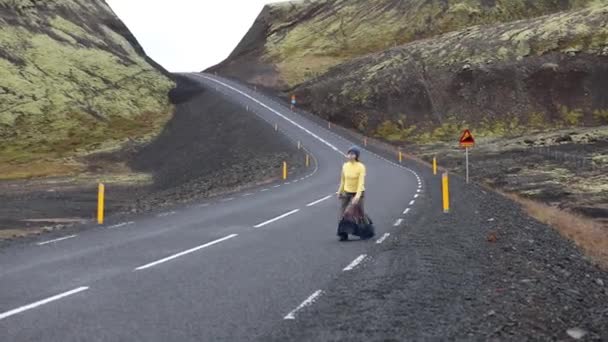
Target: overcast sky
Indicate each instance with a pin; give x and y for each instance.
(188, 35)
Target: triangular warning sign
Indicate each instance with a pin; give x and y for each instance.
(467, 140)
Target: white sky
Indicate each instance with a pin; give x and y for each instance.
(188, 35)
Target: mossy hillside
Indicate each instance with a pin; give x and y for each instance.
(306, 38)
(546, 72)
(69, 82)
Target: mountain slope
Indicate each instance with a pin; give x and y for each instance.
(295, 41)
(72, 80)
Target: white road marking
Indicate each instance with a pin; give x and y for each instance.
(310, 300)
(56, 240)
(287, 183)
(120, 225)
(355, 263)
(204, 205)
(419, 190)
(247, 195)
(406, 211)
(185, 252)
(264, 190)
(277, 186)
(398, 223)
(166, 214)
(412, 202)
(416, 196)
(277, 113)
(228, 199)
(384, 237)
(42, 302)
(276, 218)
(319, 201)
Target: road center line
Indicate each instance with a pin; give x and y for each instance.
(42, 302)
(228, 199)
(406, 211)
(166, 214)
(276, 218)
(384, 237)
(319, 201)
(412, 202)
(185, 252)
(120, 225)
(416, 196)
(247, 195)
(277, 186)
(310, 300)
(398, 223)
(355, 262)
(56, 240)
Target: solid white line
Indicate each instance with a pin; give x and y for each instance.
(381, 240)
(319, 201)
(124, 224)
(56, 240)
(310, 300)
(412, 202)
(185, 252)
(42, 302)
(355, 262)
(398, 223)
(277, 113)
(406, 211)
(276, 218)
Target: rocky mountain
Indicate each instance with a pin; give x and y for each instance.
(73, 80)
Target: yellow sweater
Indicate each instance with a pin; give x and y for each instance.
(353, 178)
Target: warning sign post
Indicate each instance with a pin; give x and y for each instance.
(467, 141)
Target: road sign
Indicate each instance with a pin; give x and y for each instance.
(467, 140)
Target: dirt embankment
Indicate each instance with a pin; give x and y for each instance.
(209, 147)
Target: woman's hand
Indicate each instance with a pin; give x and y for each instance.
(355, 201)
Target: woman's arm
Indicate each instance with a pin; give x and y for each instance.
(361, 183)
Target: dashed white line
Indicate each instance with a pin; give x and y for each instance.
(384, 237)
(287, 183)
(355, 263)
(310, 300)
(166, 214)
(120, 225)
(247, 195)
(319, 201)
(42, 302)
(398, 223)
(406, 211)
(56, 240)
(277, 186)
(152, 264)
(276, 218)
(419, 190)
(228, 199)
(264, 190)
(416, 196)
(204, 205)
(412, 202)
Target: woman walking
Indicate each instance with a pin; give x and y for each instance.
(352, 193)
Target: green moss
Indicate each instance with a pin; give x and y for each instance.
(601, 115)
(571, 117)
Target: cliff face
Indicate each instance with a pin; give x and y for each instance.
(73, 79)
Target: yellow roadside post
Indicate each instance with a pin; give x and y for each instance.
(307, 160)
(435, 166)
(284, 170)
(299, 145)
(400, 156)
(100, 203)
(446, 193)
(276, 127)
(329, 125)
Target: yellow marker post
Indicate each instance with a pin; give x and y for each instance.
(299, 145)
(400, 156)
(100, 203)
(307, 160)
(276, 127)
(434, 165)
(446, 193)
(284, 170)
(329, 125)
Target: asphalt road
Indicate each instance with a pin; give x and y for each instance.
(225, 270)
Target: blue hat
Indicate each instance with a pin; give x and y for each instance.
(354, 150)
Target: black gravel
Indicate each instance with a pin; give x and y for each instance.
(486, 271)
